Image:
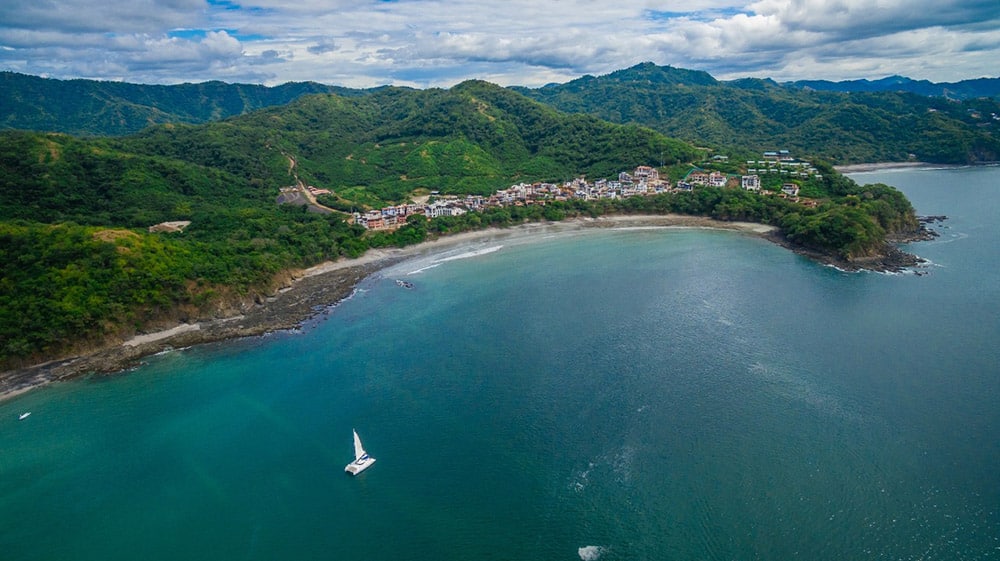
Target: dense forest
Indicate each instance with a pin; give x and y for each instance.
(758, 115)
(963, 90)
(98, 108)
(895, 119)
(79, 265)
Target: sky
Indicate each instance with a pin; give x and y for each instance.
(439, 43)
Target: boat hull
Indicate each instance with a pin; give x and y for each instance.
(359, 466)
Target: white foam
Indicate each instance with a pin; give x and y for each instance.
(436, 261)
(590, 552)
(473, 253)
(422, 269)
(953, 237)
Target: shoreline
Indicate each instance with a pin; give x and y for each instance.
(315, 290)
(883, 166)
(890, 166)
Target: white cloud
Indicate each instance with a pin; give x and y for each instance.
(364, 43)
(105, 16)
(853, 18)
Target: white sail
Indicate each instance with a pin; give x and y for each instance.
(359, 452)
(362, 460)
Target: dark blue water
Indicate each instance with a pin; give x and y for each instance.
(613, 394)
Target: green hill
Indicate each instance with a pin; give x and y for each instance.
(761, 115)
(95, 108)
(378, 148)
(965, 89)
(748, 115)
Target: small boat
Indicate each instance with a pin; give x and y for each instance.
(362, 460)
(23, 416)
(404, 284)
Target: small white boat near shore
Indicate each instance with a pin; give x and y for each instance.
(362, 460)
(23, 416)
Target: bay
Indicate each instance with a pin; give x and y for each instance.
(632, 393)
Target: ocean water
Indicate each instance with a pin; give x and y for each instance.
(633, 393)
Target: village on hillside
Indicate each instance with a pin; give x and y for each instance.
(642, 181)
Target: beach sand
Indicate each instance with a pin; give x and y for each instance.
(312, 292)
(880, 166)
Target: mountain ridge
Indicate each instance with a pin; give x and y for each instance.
(961, 90)
(97, 108)
(108, 108)
(760, 114)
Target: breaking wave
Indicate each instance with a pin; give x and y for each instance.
(432, 262)
(473, 253)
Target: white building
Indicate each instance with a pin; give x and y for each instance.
(750, 182)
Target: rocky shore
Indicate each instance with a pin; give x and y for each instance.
(888, 259)
(285, 310)
(313, 291)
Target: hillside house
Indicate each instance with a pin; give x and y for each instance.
(697, 178)
(790, 189)
(646, 174)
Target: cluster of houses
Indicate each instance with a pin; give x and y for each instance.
(750, 182)
(642, 181)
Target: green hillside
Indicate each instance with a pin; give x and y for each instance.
(78, 264)
(749, 114)
(95, 108)
(378, 148)
(759, 115)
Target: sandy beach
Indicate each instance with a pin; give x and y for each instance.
(880, 166)
(311, 292)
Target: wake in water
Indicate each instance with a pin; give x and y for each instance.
(795, 387)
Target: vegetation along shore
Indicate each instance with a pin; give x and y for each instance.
(114, 247)
(305, 294)
(309, 292)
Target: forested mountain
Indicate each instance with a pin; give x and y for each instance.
(95, 108)
(762, 115)
(749, 114)
(378, 148)
(965, 89)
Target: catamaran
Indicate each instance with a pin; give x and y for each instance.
(362, 460)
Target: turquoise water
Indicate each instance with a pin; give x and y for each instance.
(638, 393)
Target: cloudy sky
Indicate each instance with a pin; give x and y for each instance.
(423, 43)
